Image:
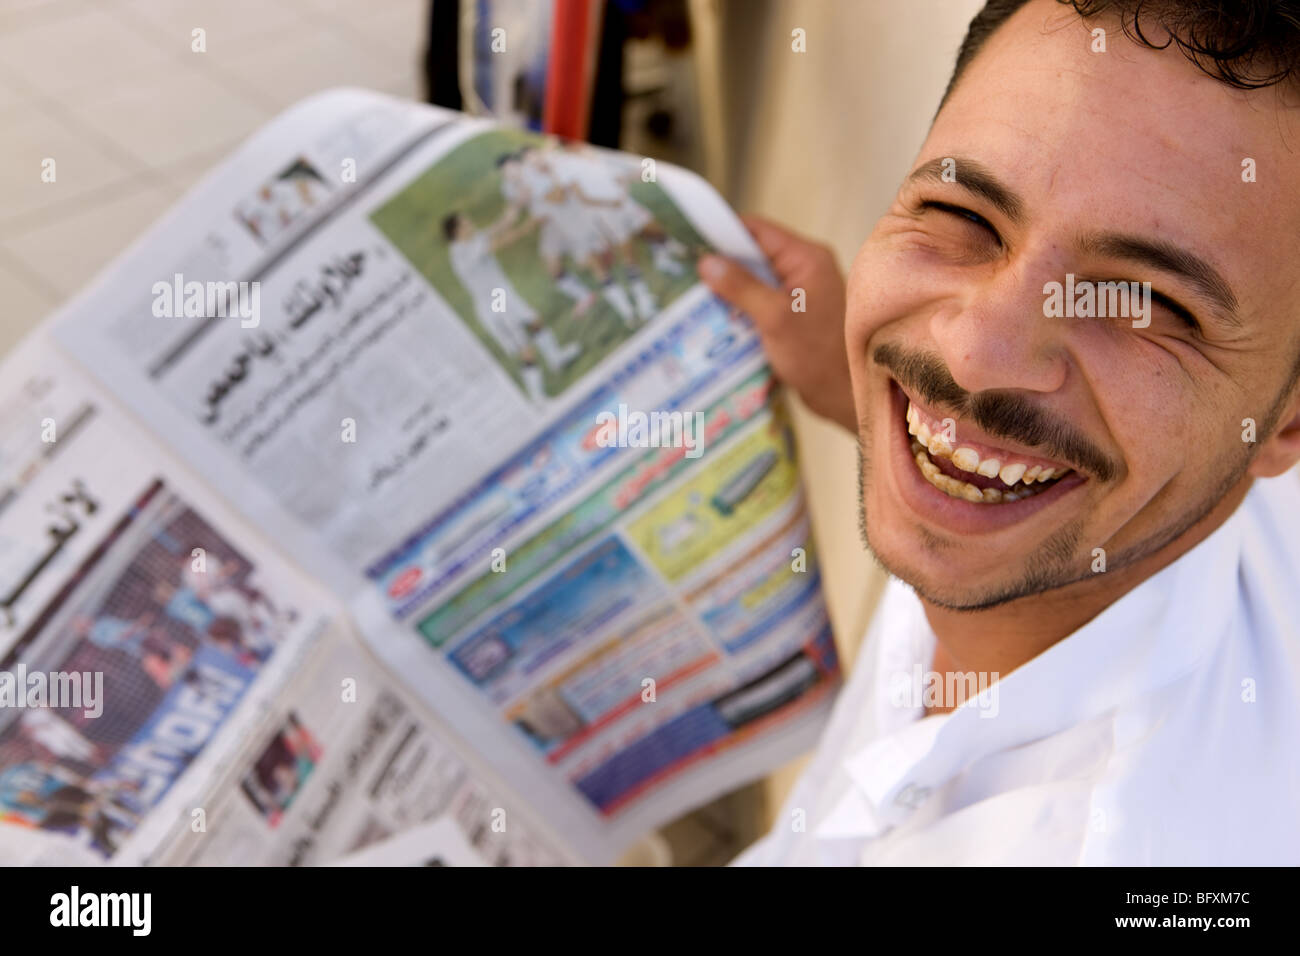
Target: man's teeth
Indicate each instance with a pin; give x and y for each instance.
(1012, 473)
(1022, 481)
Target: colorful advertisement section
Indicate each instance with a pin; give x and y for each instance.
(690, 356)
(657, 652)
(750, 400)
(579, 604)
(173, 618)
(776, 579)
(571, 662)
(710, 727)
(739, 489)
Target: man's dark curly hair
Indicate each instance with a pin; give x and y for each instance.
(1247, 44)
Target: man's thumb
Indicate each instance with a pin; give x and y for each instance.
(738, 286)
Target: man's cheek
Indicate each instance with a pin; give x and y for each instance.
(870, 307)
(857, 333)
(1152, 440)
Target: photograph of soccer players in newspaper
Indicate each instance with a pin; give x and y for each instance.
(174, 619)
(553, 253)
(282, 200)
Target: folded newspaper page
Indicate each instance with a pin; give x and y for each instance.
(455, 389)
(173, 689)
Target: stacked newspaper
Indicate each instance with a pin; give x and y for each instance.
(401, 488)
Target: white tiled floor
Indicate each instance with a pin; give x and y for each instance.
(112, 91)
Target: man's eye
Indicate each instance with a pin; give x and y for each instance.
(1184, 315)
(963, 213)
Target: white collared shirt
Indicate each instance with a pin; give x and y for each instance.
(1166, 731)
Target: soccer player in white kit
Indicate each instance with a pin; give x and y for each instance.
(517, 328)
(530, 185)
(601, 188)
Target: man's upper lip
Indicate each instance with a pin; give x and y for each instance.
(969, 434)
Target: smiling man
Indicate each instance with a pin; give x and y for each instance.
(1089, 652)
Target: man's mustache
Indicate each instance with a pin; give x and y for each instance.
(1001, 414)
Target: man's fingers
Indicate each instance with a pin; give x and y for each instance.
(771, 237)
(793, 257)
(740, 287)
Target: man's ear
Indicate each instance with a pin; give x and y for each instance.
(1281, 450)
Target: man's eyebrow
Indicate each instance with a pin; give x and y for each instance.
(1167, 257)
(976, 178)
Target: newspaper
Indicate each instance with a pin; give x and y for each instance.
(345, 760)
(450, 415)
(440, 843)
(231, 719)
(121, 568)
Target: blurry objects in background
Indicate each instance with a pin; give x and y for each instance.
(571, 71)
(617, 73)
(605, 123)
(442, 55)
(658, 117)
(713, 834)
(526, 62)
(651, 850)
(508, 45)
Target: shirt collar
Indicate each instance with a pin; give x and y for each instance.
(1148, 638)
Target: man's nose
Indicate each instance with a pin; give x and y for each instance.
(996, 336)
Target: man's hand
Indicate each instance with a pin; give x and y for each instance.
(805, 349)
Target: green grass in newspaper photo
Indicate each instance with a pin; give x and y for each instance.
(552, 258)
